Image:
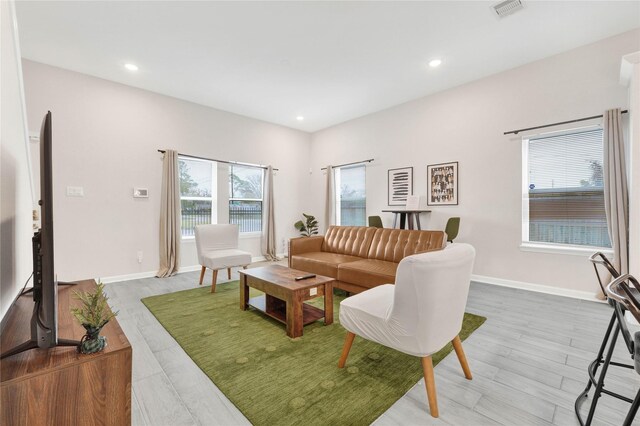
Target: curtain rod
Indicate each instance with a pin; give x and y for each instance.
(350, 164)
(515, 132)
(162, 151)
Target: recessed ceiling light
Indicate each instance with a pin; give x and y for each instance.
(435, 62)
(299, 118)
(131, 67)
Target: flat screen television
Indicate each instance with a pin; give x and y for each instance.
(44, 321)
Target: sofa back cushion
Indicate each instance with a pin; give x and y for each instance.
(349, 240)
(393, 245)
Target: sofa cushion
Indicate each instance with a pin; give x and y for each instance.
(321, 263)
(393, 245)
(368, 272)
(349, 240)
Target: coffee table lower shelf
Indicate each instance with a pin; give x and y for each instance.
(278, 309)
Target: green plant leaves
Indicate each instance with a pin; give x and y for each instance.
(94, 310)
(307, 228)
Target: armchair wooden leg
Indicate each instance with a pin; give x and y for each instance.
(214, 280)
(229, 273)
(348, 341)
(430, 384)
(204, 268)
(457, 345)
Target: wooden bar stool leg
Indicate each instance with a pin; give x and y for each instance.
(204, 268)
(457, 345)
(348, 341)
(214, 280)
(430, 384)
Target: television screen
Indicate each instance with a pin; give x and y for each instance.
(44, 321)
(45, 292)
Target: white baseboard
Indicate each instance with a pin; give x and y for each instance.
(126, 277)
(181, 270)
(538, 288)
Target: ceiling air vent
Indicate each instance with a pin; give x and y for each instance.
(507, 7)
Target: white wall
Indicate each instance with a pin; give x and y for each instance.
(105, 137)
(466, 124)
(630, 76)
(16, 199)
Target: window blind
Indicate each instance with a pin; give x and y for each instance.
(566, 189)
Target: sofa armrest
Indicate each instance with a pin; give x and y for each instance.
(304, 245)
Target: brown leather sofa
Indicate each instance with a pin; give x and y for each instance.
(360, 257)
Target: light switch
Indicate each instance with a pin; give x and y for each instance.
(75, 191)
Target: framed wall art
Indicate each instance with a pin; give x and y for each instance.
(443, 184)
(400, 182)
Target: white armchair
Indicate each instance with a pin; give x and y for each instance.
(418, 315)
(217, 247)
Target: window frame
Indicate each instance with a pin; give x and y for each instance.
(546, 247)
(246, 234)
(212, 199)
(337, 196)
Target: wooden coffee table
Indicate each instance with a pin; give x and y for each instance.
(284, 296)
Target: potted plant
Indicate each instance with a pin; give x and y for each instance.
(93, 314)
(309, 227)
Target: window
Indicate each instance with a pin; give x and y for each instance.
(350, 195)
(245, 197)
(197, 188)
(563, 189)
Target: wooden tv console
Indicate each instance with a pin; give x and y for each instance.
(60, 386)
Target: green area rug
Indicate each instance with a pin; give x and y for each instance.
(276, 380)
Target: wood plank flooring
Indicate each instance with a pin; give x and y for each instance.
(529, 362)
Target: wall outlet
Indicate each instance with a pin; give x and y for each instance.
(313, 291)
(139, 256)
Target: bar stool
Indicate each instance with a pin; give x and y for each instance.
(617, 324)
(624, 290)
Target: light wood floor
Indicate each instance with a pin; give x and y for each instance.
(529, 362)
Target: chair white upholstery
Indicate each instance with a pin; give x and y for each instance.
(217, 247)
(421, 313)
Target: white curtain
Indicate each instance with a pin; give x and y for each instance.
(616, 197)
(169, 216)
(330, 203)
(268, 219)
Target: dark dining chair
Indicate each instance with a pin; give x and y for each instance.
(452, 228)
(375, 221)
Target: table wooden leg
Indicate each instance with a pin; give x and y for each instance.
(244, 292)
(403, 220)
(395, 220)
(328, 303)
(410, 218)
(294, 316)
(418, 221)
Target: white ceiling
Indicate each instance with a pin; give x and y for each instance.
(327, 61)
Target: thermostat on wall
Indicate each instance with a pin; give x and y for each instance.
(140, 193)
